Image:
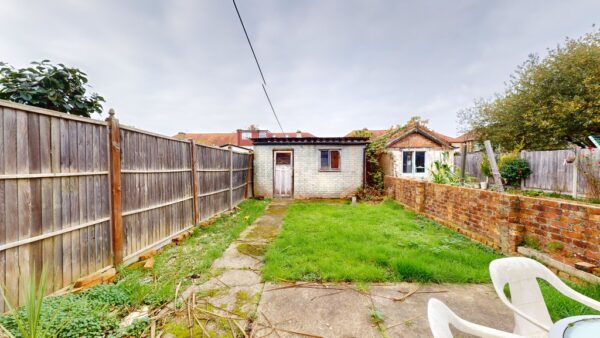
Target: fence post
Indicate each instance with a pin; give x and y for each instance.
(195, 191)
(522, 156)
(230, 178)
(116, 214)
(493, 165)
(248, 173)
(463, 163)
(575, 172)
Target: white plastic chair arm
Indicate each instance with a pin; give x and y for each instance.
(523, 314)
(484, 331)
(574, 295)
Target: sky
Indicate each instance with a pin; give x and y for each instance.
(330, 66)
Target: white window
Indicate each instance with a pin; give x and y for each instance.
(246, 135)
(413, 162)
(329, 160)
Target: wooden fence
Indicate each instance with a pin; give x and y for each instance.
(549, 169)
(79, 195)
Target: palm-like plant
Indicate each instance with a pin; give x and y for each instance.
(29, 323)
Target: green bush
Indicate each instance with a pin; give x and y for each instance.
(513, 169)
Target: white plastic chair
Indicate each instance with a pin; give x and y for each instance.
(440, 317)
(526, 301)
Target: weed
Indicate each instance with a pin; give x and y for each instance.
(376, 316)
(531, 242)
(554, 246)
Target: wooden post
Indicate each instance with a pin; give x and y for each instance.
(230, 178)
(575, 172)
(116, 215)
(493, 165)
(195, 191)
(522, 156)
(249, 172)
(463, 163)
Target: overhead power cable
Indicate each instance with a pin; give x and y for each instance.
(264, 82)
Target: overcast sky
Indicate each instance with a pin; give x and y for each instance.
(330, 66)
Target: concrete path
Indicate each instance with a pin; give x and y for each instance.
(226, 304)
(378, 310)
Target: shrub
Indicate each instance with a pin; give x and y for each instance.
(485, 167)
(513, 169)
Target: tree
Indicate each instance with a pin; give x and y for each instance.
(548, 103)
(55, 87)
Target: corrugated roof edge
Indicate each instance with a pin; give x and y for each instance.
(311, 140)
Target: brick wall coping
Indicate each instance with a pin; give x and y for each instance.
(560, 266)
(553, 201)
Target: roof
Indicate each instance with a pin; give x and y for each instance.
(310, 140)
(212, 139)
(418, 128)
(595, 140)
(466, 137)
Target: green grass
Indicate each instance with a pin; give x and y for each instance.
(560, 306)
(323, 241)
(97, 312)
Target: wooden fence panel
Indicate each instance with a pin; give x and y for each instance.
(156, 189)
(472, 165)
(56, 208)
(53, 198)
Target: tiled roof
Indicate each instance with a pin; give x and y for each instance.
(211, 139)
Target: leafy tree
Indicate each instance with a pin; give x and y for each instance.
(55, 87)
(548, 103)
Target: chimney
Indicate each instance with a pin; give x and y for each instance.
(298, 134)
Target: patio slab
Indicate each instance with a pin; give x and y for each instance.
(342, 310)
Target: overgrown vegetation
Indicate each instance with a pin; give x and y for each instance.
(98, 311)
(541, 193)
(323, 241)
(444, 173)
(548, 103)
(513, 169)
(45, 85)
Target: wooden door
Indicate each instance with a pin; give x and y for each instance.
(283, 169)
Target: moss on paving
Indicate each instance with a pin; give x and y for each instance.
(252, 249)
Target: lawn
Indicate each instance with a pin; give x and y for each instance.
(323, 241)
(96, 312)
(335, 242)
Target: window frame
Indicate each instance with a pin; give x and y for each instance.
(246, 135)
(413, 169)
(329, 169)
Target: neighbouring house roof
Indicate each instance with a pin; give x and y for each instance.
(310, 141)
(595, 140)
(234, 138)
(419, 129)
(210, 139)
(466, 137)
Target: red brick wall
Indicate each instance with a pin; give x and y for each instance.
(502, 220)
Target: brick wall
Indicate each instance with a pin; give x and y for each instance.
(502, 220)
(309, 182)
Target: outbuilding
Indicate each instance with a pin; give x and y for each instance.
(309, 167)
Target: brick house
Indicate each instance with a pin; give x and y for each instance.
(241, 138)
(308, 167)
(414, 149)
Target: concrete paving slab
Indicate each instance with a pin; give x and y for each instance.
(408, 318)
(319, 312)
(342, 310)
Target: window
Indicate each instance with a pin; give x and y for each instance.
(246, 135)
(283, 158)
(413, 162)
(262, 134)
(330, 160)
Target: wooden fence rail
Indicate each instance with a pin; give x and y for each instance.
(79, 195)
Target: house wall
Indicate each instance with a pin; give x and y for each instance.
(431, 155)
(309, 182)
(502, 220)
